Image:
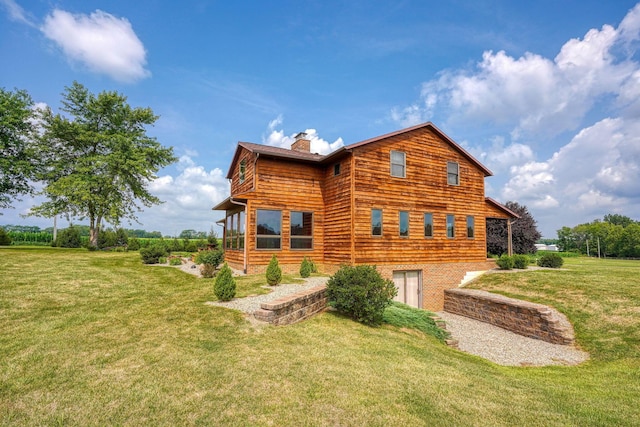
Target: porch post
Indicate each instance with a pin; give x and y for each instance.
(509, 238)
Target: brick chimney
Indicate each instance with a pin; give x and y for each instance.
(301, 143)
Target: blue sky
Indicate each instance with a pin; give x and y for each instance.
(546, 94)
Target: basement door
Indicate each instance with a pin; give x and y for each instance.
(409, 286)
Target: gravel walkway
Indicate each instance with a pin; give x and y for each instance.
(507, 348)
(251, 304)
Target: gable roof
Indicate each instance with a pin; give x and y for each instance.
(501, 207)
(301, 156)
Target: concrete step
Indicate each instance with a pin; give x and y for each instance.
(469, 276)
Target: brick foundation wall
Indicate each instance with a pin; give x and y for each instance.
(522, 317)
(436, 278)
(293, 308)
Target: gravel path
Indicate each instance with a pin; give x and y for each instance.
(251, 304)
(507, 348)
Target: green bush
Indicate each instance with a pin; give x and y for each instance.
(190, 245)
(175, 261)
(207, 271)
(152, 253)
(213, 258)
(551, 260)
(505, 262)
(274, 273)
(360, 292)
(520, 261)
(68, 238)
(5, 239)
(225, 285)
(306, 268)
(134, 244)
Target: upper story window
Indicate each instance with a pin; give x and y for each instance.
(398, 164)
(404, 223)
(336, 169)
(301, 230)
(243, 170)
(453, 173)
(428, 225)
(268, 229)
(451, 228)
(471, 227)
(376, 222)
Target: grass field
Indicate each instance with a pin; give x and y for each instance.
(91, 338)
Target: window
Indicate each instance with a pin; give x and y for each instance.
(451, 233)
(404, 223)
(453, 173)
(398, 165)
(268, 229)
(376, 222)
(301, 230)
(243, 169)
(336, 169)
(428, 225)
(234, 231)
(470, 227)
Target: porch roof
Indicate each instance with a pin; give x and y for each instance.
(228, 204)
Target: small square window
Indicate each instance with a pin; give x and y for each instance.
(336, 169)
(398, 164)
(453, 173)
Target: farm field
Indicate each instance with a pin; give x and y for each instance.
(98, 338)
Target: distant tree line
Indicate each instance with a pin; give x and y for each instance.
(614, 236)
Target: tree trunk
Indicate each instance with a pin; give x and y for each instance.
(94, 230)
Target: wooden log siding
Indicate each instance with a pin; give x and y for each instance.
(424, 189)
(338, 215)
(286, 186)
(238, 187)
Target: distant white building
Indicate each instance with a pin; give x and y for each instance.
(543, 247)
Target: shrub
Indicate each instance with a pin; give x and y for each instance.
(176, 245)
(190, 245)
(175, 261)
(5, 239)
(207, 271)
(162, 260)
(213, 258)
(520, 261)
(68, 238)
(134, 244)
(152, 253)
(306, 268)
(106, 239)
(225, 285)
(360, 292)
(274, 273)
(505, 262)
(551, 260)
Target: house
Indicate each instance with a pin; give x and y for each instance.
(410, 202)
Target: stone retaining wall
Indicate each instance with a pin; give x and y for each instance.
(522, 317)
(293, 308)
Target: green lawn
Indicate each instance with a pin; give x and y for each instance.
(91, 338)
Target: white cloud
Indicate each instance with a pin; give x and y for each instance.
(16, 12)
(188, 196)
(277, 138)
(101, 42)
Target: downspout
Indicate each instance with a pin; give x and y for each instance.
(246, 218)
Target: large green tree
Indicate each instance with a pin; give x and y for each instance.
(17, 159)
(99, 159)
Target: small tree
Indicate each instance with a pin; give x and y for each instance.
(361, 292)
(68, 238)
(306, 268)
(5, 239)
(225, 285)
(274, 273)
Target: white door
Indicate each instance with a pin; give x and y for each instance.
(409, 287)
